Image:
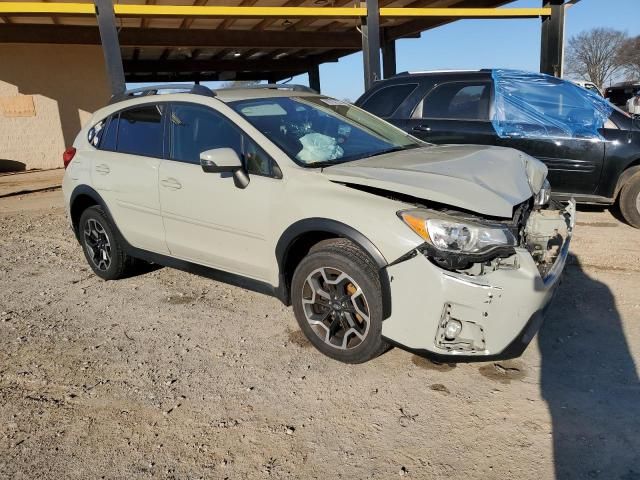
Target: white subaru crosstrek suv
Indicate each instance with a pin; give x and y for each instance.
(375, 237)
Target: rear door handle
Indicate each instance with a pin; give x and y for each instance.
(171, 183)
(103, 169)
(422, 128)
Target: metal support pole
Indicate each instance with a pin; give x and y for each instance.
(110, 45)
(552, 39)
(389, 58)
(314, 78)
(371, 44)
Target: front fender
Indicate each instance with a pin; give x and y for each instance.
(339, 229)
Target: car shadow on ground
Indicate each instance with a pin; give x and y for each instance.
(590, 383)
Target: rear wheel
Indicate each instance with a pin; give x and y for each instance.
(337, 301)
(629, 200)
(104, 254)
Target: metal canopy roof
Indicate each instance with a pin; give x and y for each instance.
(173, 40)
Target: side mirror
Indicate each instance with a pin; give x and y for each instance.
(224, 160)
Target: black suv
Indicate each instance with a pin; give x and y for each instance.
(594, 161)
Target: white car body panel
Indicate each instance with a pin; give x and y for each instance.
(129, 185)
(207, 221)
(493, 179)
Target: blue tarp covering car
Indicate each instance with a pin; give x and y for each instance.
(532, 105)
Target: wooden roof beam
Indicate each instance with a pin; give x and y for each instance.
(167, 37)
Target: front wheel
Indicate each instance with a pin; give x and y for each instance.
(337, 301)
(629, 201)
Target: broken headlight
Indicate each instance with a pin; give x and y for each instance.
(455, 242)
(543, 195)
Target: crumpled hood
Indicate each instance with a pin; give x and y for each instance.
(482, 179)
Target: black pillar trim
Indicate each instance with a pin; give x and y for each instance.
(110, 45)
(552, 39)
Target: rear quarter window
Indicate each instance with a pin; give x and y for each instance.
(385, 101)
(94, 136)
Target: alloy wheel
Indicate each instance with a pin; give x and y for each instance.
(97, 243)
(336, 308)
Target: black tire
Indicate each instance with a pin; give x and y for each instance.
(341, 256)
(629, 201)
(119, 262)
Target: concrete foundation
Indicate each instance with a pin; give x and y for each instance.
(66, 83)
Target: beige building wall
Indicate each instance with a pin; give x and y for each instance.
(63, 85)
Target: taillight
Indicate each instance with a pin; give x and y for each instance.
(67, 156)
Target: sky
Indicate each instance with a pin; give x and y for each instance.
(473, 44)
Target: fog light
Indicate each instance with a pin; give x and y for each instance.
(452, 329)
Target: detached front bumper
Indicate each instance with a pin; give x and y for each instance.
(500, 312)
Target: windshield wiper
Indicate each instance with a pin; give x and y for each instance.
(385, 151)
(323, 163)
(330, 163)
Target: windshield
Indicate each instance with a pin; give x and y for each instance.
(321, 131)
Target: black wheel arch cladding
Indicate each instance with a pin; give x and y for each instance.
(325, 226)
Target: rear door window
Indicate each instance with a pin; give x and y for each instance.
(140, 131)
(385, 101)
(457, 101)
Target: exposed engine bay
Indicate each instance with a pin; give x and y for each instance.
(542, 230)
(545, 233)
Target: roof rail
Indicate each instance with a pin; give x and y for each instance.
(274, 86)
(423, 72)
(156, 89)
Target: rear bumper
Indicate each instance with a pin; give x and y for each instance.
(500, 311)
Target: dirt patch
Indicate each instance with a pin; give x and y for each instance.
(438, 387)
(180, 299)
(169, 375)
(432, 365)
(597, 224)
(297, 338)
(605, 268)
(503, 372)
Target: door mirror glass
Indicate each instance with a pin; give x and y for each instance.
(219, 160)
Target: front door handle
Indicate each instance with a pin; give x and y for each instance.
(103, 169)
(422, 128)
(171, 183)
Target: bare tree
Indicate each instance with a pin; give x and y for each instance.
(629, 57)
(594, 55)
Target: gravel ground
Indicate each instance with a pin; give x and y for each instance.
(169, 375)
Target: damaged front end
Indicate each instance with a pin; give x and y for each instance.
(466, 243)
(546, 237)
(477, 287)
